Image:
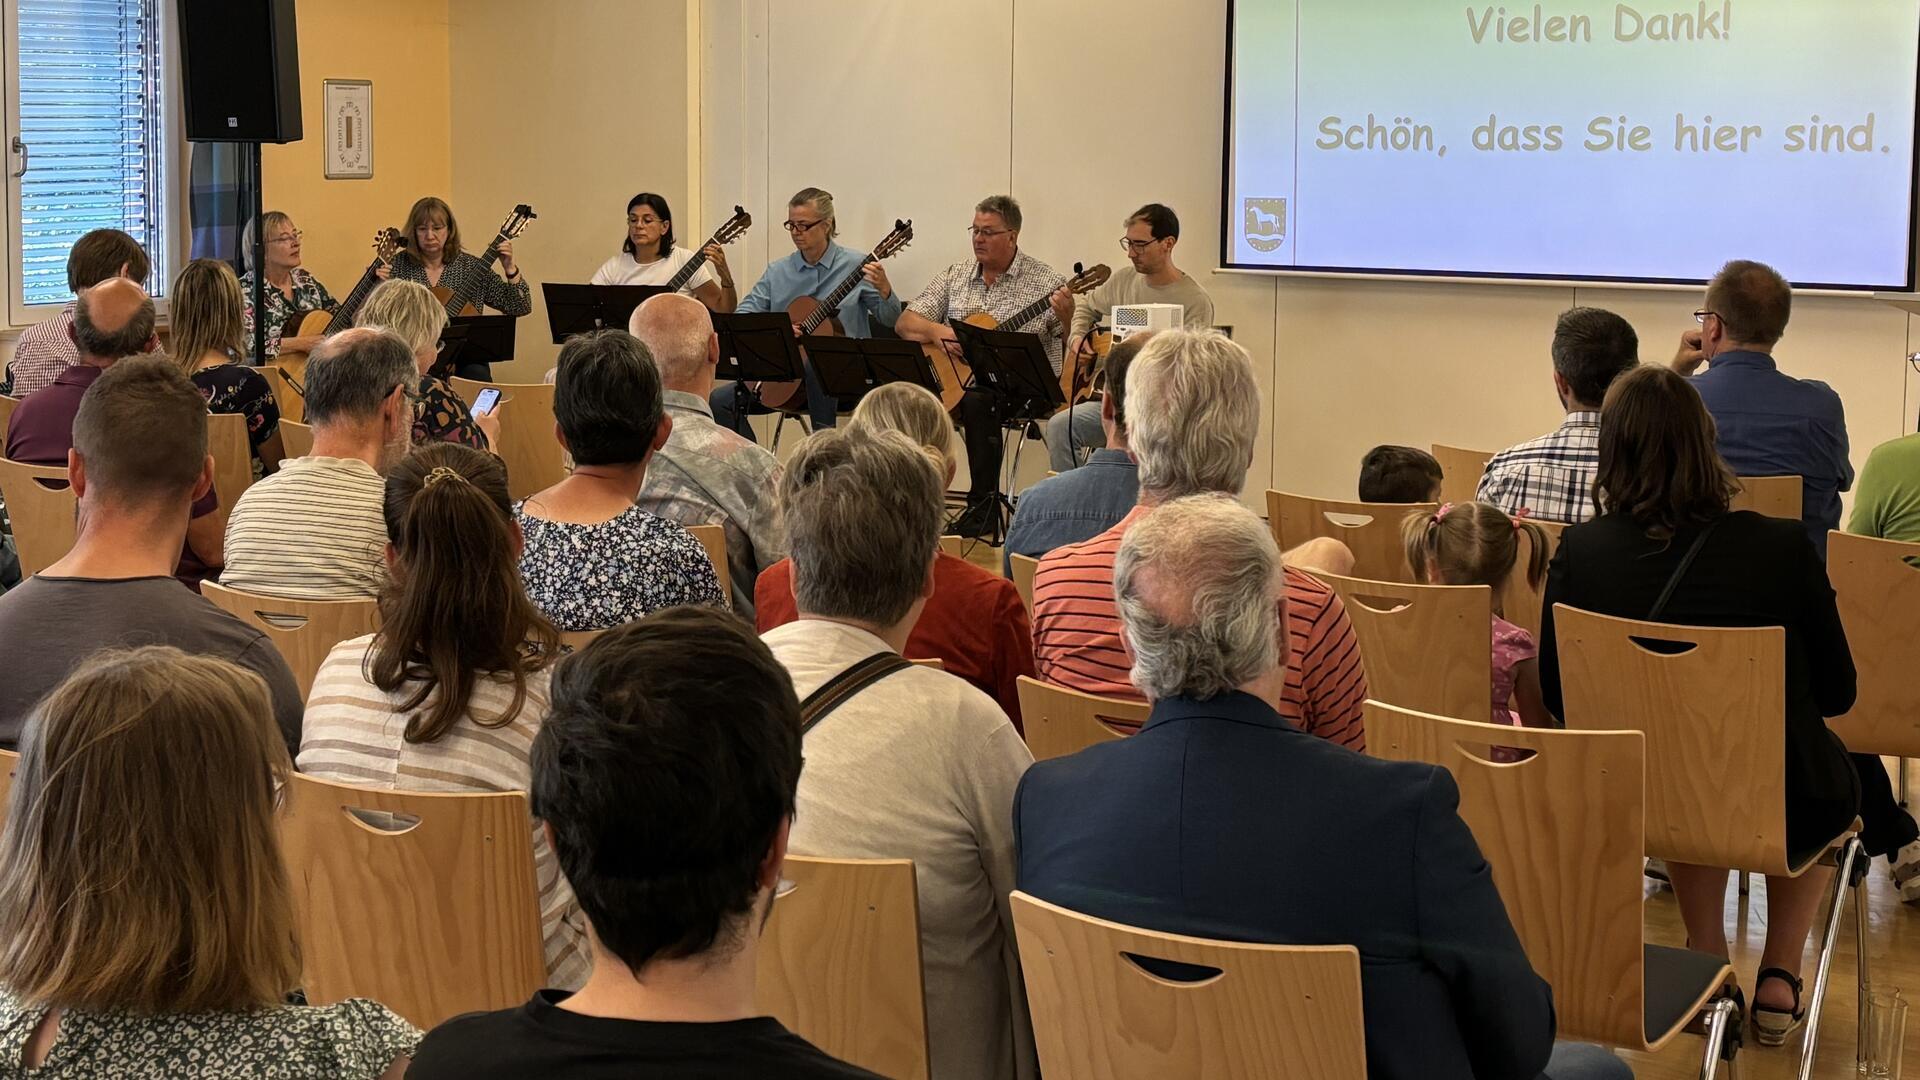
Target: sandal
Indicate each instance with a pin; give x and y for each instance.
(1771, 1026)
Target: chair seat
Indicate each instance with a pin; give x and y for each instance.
(1677, 981)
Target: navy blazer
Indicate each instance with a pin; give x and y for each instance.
(1220, 820)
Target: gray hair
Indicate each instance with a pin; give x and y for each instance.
(677, 330)
(351, 373)
(863, 514)
(1003, 205)
(407, 308)
(822, 202)
(1193, 411)
(1198, 585)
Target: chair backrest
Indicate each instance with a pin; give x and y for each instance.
(296, 438)
(304, 631)
(292, 403)
(1460, 471)
(1712, 702)
(232, 460)
(41, 507)
(956, 546)
(1564, 831)
(1024, 567)
(7, 405)
(1879, 595)
(1059, 721)
(1774, 496)
(933, 662)
(840, 962)
(9, 761)
(1520, 601)
(578, 639)
(1268, 1010)
(714, 539)
(534, 457)
(1370, 530)
(431, 919)
(1425, 647)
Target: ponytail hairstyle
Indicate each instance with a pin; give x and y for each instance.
(454, 608)
(1472, 543)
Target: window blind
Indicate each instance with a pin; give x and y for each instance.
(91, 118)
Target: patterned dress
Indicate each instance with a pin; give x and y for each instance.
(308, 295)
(466, 271)
(233, 388)
(440, 415)
(591, 577)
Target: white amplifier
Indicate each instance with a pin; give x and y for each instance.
(1130, 319)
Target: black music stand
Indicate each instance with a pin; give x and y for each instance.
(472, 344)
(580, 309)
(756, 347)
(1014, 368)
(850, 367)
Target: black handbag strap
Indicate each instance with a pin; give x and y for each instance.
(1693, 550)
(835, 691)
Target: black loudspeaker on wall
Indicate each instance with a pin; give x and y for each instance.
(240, 64)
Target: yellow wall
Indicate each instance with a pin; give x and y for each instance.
(402, 46)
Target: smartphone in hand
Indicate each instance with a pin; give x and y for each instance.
(484, 402)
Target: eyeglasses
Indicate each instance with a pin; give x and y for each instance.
(799, 227)
(287, 238)
(1130, 245)
(1701, 316)
(979, 233)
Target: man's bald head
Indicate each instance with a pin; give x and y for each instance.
(678, 331)
(112, 319)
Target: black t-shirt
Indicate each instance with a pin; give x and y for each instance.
(540, 1039)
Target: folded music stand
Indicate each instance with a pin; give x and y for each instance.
(580, 309)
(850, 367)
(472, 344)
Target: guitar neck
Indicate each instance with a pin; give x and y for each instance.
(692, 267)
(462, 297)
(343, 315)
(1027, 314)
(833, 299)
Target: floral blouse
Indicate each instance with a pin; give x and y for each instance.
(440, 415)
(308, 295)
(234, 388)
(468, 270)
(591, 577)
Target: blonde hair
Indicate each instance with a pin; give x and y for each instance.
(1472, 543)
(270, 222)
(912, 411)
(407, 308)
(140, 866)
(208, 314)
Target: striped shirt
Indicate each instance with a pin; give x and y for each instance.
(1076, 639)
(312, 531)
(353, 735)
(1550, 477)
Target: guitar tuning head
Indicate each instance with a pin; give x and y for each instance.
(1078, 269)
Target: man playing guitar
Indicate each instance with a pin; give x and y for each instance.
(999, 280)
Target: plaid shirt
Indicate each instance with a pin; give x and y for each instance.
(962, 290)
(44, 350)
(1551, 476)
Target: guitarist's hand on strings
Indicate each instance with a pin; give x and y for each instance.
(717, 258)
(506, 258)
(876, 276)
(1062, 302)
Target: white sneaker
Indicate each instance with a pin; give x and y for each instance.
(1906, 872)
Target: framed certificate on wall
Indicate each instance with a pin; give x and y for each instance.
(349, 120)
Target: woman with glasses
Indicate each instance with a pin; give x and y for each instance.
(291, 290)
(410, 310)
(650, 257)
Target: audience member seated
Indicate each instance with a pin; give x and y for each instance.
(1220, 819)
(1551, 477)
(916, 765)
(111, 321)
(205, 340)
(1477, 544)
(1194, 411)
(314, 530)
(706, 474)
(974, 622)
(1664, 495)
(685, 718)
(593, 559)
(1399, 474)
(138, 462)
(410, 310)
(145, 908)
(449, 693)
(1082, 503)
(46, 349)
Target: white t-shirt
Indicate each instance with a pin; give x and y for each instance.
(622, 270)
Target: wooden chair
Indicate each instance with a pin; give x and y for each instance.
(1564, 830)
(1774, 496)
(1425, 647)
(1712, 702)
(9, 762)
(7, 404)
(42, 508)
(933, 662)
(232, 460)
(1370, 530)
(432, 919)
(840, 962)
(1460, 471)
(1267, 1010)
(1879, 597)
(535, 460)
(714, 539)
(1520, 601)
(292, 402)
(576, 640)
(296, 438)
(304, 631)
(1024, 567)
(1060, 721)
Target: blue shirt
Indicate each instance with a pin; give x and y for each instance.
(793, 277)
(1077, 505)
(1772, 424)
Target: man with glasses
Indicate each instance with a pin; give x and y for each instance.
(1152, 232)
(816, 267)
(1000, 279)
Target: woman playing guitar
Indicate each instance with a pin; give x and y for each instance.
(291, 290)
(650, 257)
(434, 258)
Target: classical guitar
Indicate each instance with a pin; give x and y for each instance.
(811, 316)
(730, 230)
(954, 371)
(1083, 376)
(386, 244)
(463, 302)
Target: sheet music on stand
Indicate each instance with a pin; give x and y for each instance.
(758, 347)
(851, 367)
(1013, 366)
(471, 344)
(580, 309)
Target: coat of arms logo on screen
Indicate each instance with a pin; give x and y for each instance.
(1264, 223)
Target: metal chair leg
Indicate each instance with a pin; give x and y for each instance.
(1719, 1017)
(1809, 1043)
(1901, 763)
(1865, 977)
